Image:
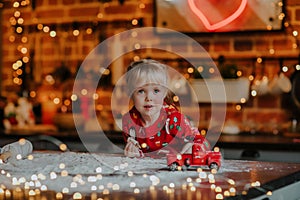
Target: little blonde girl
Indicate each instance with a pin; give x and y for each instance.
(153, 127)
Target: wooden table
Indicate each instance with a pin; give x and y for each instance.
(236, 179)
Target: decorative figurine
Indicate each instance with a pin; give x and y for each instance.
(24, 112)
(19, 115)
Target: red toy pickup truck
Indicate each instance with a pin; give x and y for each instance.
(196, 154)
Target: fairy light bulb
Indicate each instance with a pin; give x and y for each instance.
(76, 32)
(295, 33)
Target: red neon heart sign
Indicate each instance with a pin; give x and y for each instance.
(221, 23)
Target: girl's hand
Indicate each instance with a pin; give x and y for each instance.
(132, 149)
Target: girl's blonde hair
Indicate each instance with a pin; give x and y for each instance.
(146, 71)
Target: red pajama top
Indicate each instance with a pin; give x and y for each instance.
(170, 131)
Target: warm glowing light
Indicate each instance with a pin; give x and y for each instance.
(136, 58)
(30, 157)
(84, 92)
(175, 98)
(31, 193)
(62, 166)
(16, 4)
(295, 45)
(218, 189)
(203, 132)
(19, 72)
(92, 179)
(95, 96)
(50, 79)
(20, 21)
(89, 31)
(100, 15)
(253, 93)
(216, 149)
(142, 6)
(144, 145)
(73, 185)
(295, 33)
(200, 69)
(40, 26)
(134, 22)
(17, 81)
(19, 29)
(24, 39)
(53, 175)
(130, 173)
(56, 100)
(64, 109)
(59, 195)
(231, 181)
(46, 29)
(243, 100)
(116, 187)
(74, 97)
(190, 70)
(17, 14)
(132, 184)
(25, 59)
(66, 190)
(281, 16)
(232, 190)
(67, 102)
(105, 191)
(220, 24)
(269, 27)
(44, 188)
(219, 196)
(24, 50)
(134, 34)
(211, 70)
(251, 78)
(98, 169)
(13, 21)
(52, 34)
(285, 69)
(269, 193)
(12, 38)
(137, 46)
(239, 73)
(15, 66)
(259, 60)
(238, 107)
(76, 32)
(286, 24)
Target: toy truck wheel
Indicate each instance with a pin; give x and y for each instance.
(187, 162)
(214, 166)
(173, 166)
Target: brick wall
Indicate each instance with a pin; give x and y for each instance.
(107, 18)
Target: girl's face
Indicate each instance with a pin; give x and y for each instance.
(148, 100)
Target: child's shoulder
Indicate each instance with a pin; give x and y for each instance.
(172, 110)
(132, 114)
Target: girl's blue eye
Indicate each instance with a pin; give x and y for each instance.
(140, 91)
(156, 90)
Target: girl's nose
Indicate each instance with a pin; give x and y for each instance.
(148, 96)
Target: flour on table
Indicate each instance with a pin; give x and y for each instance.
(86, 172)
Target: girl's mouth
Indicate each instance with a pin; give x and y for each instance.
(148, 106)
